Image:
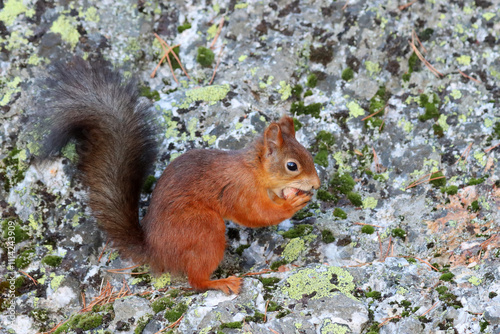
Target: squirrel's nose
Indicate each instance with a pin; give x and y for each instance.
(316, 183)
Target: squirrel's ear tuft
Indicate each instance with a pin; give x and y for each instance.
(273, 138)
(286, 125)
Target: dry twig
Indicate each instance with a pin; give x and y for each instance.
(466, 152)
(403, 7)
(31, 278)
(221, 23)
(422, 59)
(469, 77)
(217, 65)
(491, 148)
(432, 307)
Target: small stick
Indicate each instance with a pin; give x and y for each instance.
(106, 245)
(491, 148)
(358, 152)
(31, 278)
(403, 7)
(429, 66)
(469, 77)
(345, 6)
(176, 322)
(433, 306)
(423, 261)
(221, 23)
(389, 319)
(265, 271)
(265, 311)
(272, 330)
(165, 55)
(83, 300)
(217, 65)
(419, 42)
(388, 248)
(466, 151)
(171, 49)
(376, 112)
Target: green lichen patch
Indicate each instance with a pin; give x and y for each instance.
(426, 34)
(297, 91)
(321, 158)
(327, 236)
(312, 80)
(319, 282)
(150, 94)
(355, 198)
(414, 65)
(299, 108)
(66, 26)
(323, 146)
(296, 124)
(257, 317)
(446, 277)
(293, 249)
(474, 206)
(376, 108)
(205, 56)
(438, 179)
(431, 105)
(438, 130)
(52, 260)
(368, 229)
(161, 304)
(25, 258)
(142, 323)
(173, 314)
(448, 298)
(302, 214)
(84, 321)
(298, 231)
(474, 182)
(231, 325)
(339, 213)
(342, 183)
(450, 190)
(211, 94)
(13, 8)
(13, 168)
(240, 249)
(185, 26)
(373, 294)
(398, 233)
(347, 74)
(496, 130)
(148, 184)
(326, 196)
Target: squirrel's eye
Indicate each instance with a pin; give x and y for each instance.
(292, 166)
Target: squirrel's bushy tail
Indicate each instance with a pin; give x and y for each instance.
(115, 141)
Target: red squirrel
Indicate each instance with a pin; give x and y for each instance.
(183, 230)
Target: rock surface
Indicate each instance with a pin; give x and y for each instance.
(403, 237)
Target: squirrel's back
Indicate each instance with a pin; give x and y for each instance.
(91, 104)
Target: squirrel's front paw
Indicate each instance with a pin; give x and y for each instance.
(299, 201)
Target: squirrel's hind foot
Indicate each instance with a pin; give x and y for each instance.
(228, 285)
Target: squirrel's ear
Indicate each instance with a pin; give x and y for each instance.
(286, 125)
(273, 138)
